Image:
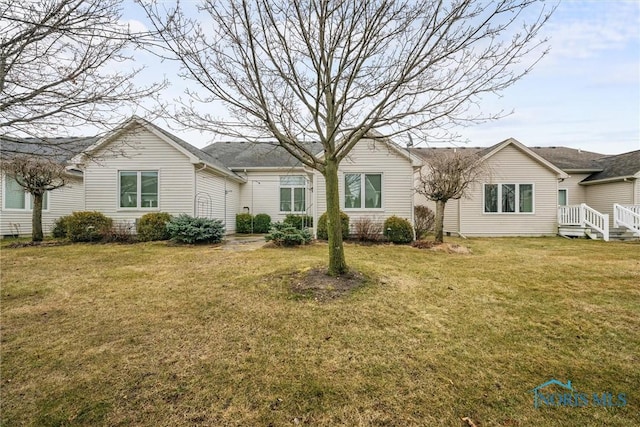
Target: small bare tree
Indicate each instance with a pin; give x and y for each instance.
(63, 64)
(333, 71)
(448, 175)
(36, 175)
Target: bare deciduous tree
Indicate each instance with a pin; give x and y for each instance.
(63, 63)
(448, 175)
(36, 175)
(334, 70)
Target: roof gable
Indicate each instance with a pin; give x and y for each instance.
(195, 155)
(493, 150)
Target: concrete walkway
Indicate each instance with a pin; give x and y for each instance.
(240, 242)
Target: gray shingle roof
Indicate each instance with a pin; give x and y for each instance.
(58, 149)
(621, 165)
(237, 154)
(569, 158)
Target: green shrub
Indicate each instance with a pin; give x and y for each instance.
(153, 226)
(398, 230)
(283, 234)
(299, 221)
(322, 226)
(423, 220)
(87, 226)
(244, 223)
(187, 229)
(60, 225)
(261, 223)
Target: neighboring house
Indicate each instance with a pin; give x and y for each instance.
(139, 168)
(534, 191)
(15, 203)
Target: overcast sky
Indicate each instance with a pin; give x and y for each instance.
(584, 94)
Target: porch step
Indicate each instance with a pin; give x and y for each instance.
(622, 233)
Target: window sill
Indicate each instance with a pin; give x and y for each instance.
(508, 213)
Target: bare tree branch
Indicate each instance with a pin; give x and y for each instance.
(64, 63)
(448, 175)
(37, 175)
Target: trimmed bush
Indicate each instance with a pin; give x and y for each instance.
(322, 226)
(60, 225)
(187, 229)
(87, 226)
(261, 223)
(424, 219)
(398, 230)
(283, 234)
(299, 221)
(153, 226)
(244, 223)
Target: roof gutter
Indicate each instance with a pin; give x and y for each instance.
(606, 180)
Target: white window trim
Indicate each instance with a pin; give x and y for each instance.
(28, 202)
(138, 191)
(566, 192)
(517, 201)
(362, 192)
(292, 187)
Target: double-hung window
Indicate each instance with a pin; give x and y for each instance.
(15, 197)
(362, 191)
(292, 193)
(138, 189)
(508, 198)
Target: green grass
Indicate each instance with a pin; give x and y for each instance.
(150, 334)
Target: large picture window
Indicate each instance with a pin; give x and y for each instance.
(139, 189)
(16, 198)
(292, 193)
(362, 191)
(508, 198)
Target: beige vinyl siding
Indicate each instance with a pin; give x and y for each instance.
(217, 198)
(512, 166)
(143, 151)
(601, 197)
(375, 157)
(636, 183)
(62, 201)
(261, 193)
(576, 193)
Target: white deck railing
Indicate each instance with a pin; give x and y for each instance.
(584, 216)
(627, 216)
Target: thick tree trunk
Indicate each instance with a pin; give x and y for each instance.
(36, 218)
(439, 227)
(337, 263)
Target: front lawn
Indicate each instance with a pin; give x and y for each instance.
(150, 334)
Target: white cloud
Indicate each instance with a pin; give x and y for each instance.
(585, 30)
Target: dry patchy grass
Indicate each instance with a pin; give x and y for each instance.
(150, 334)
